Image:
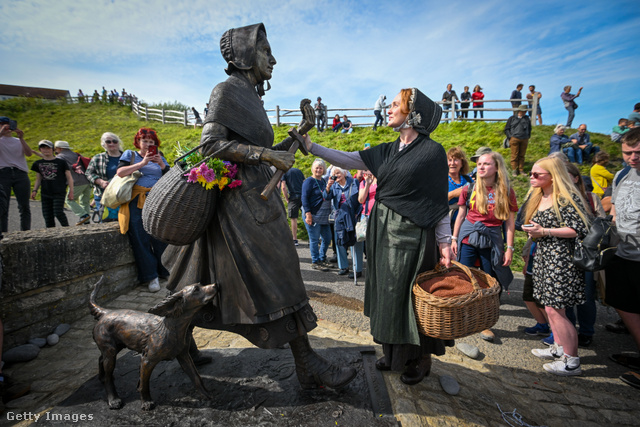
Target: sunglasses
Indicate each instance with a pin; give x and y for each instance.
(147, 132)
(536, 175)
(111, 141)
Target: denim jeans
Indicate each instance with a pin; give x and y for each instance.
(147, 250)
(18, 180)
(445, 110)
(347, 130)
(316, 232)
(321, 122)
(379, 120)
(469, 255)
(356, 255)
(572, 114)
(589, 151)
(574, 155)
(587, 311)
(475, 112)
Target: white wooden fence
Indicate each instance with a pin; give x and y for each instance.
(363, 117)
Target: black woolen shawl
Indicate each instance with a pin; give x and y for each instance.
(413, 182)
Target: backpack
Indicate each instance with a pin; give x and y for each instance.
(82, 163)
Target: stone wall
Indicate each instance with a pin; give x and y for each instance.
(48, 275)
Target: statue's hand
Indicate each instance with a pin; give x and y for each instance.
(308, 115)
(282, 160)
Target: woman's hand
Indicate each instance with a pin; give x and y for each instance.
(308, 218)
(368, 178)
(535, 231)
(307, 141)
(102, 183)
(454, 247)
(445, 254)
(330, 182)
(508, 257)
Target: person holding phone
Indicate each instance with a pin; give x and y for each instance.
(147, 250)
(14, 172)
(557, 212)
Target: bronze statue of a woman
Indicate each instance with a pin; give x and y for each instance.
(247, 250)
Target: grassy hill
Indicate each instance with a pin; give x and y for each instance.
(83, 124)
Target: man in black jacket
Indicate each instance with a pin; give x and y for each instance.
(518, 130)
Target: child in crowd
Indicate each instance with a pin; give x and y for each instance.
(53, 175)
(601, 178)
(483, 209)
(620, 129)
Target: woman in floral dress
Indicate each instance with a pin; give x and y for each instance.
(554, 216)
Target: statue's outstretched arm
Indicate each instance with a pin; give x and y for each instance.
(216, 136)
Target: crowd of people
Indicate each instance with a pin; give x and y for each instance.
(402, 192)
(104, 96)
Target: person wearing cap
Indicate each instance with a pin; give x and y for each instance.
(320, 117)
(479, 152)
(81, 204)
(14, 172)
(53, 174)
(518, 130)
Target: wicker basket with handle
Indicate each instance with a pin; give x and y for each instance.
(176, 211)
(457, 316)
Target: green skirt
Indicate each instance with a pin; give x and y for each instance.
(397, 250)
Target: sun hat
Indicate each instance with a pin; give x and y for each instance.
(63, 144)
(479, 152)
(522, 108)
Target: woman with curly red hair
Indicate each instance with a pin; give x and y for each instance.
(147, 250)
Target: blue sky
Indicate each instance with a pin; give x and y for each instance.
(348, 52)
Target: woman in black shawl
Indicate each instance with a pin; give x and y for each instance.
(407, 227)
(261, 293)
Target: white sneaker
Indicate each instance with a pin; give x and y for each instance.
(567, 366)
(550, 353)
(154, 285)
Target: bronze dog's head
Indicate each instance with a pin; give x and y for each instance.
(190, 298)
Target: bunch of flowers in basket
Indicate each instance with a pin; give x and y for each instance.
(210, 173)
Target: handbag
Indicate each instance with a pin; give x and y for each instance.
(598, 247)
(119, 189)
(361, 226)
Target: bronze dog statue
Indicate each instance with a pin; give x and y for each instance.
(157, 335)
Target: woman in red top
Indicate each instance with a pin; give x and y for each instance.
(477, 95)
(478, 231)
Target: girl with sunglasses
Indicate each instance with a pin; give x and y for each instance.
(555, 214)
(478, 230)
(102, 168)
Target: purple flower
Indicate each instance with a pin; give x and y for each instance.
(209, 175)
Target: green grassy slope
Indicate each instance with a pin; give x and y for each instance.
(83, 124)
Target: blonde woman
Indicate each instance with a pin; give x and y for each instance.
(477, 233)
(554, 216)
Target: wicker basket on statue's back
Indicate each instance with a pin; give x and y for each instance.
(176, 211)
(457, 316)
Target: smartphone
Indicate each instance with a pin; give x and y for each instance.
(13, 125)
(527, 225)
(153, 150)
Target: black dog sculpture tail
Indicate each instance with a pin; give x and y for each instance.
(160, 334)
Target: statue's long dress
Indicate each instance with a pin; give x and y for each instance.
(247, 249)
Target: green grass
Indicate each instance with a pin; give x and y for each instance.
(82, 125)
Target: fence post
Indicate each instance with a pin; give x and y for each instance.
(534, 109)
(384, 115)
(163, 116)
(453, 109)
(146, 113)
(277, 115)
(186, 120)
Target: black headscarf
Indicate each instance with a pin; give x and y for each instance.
(413, 182)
